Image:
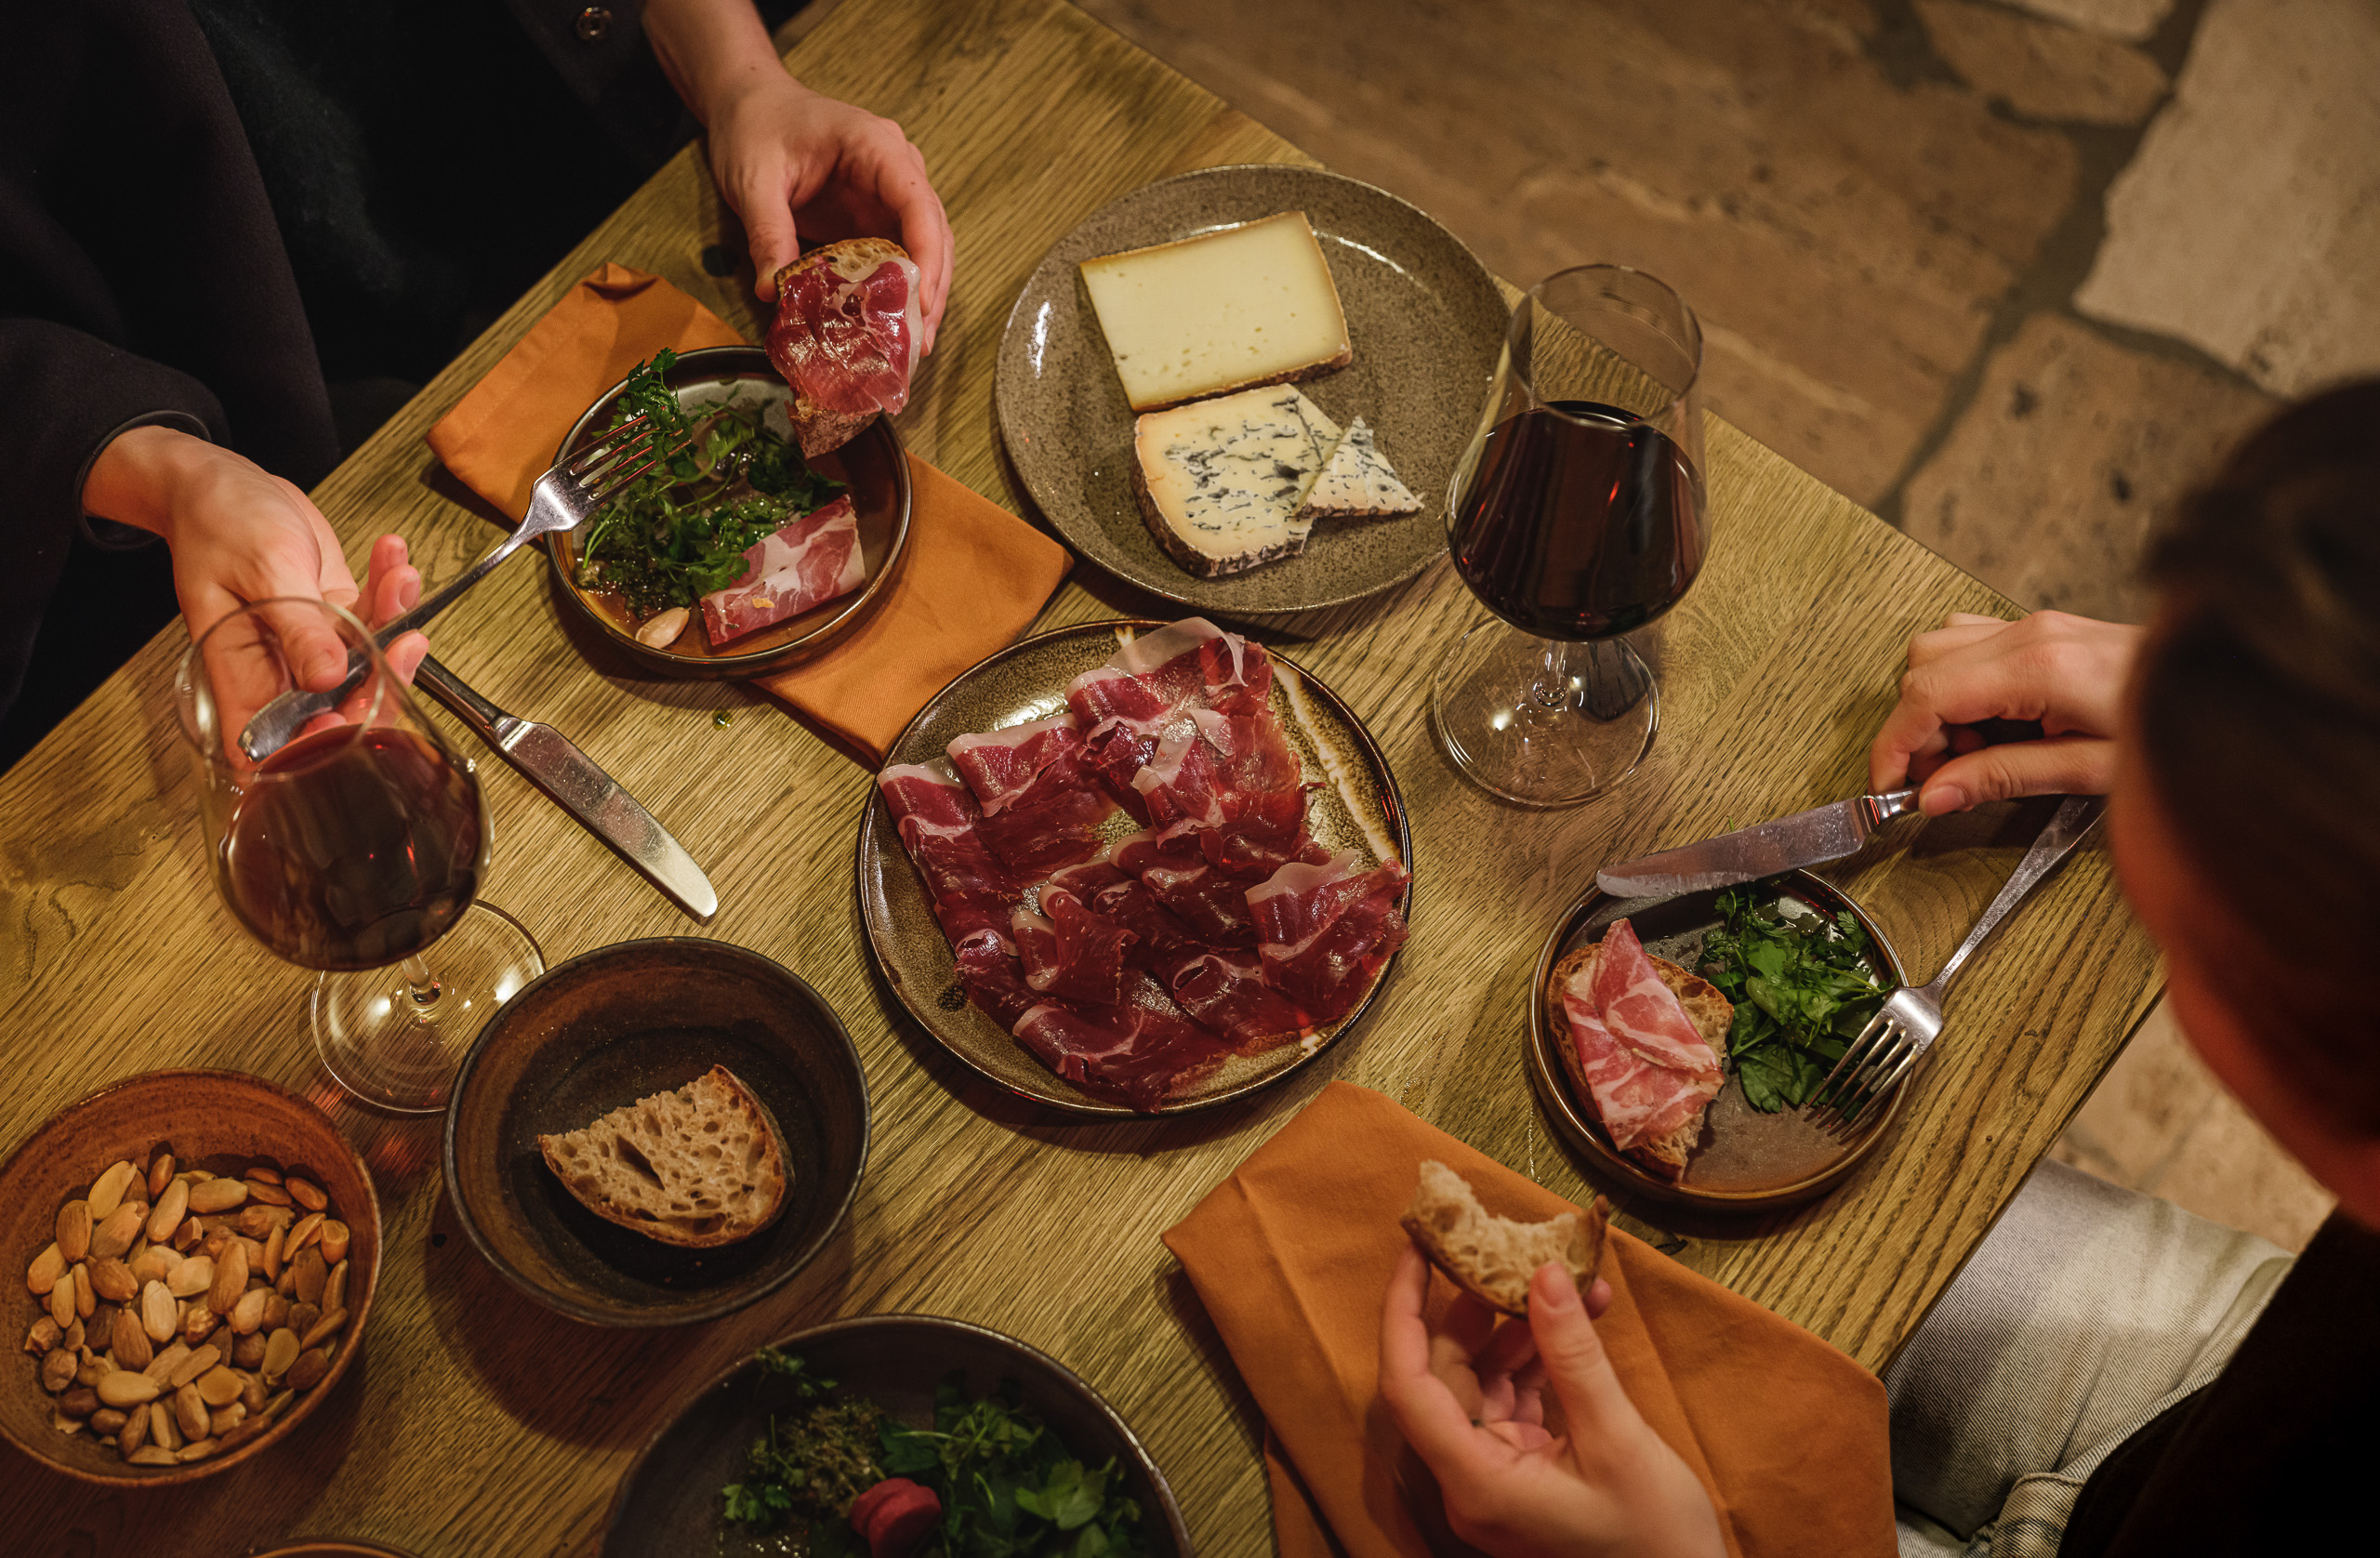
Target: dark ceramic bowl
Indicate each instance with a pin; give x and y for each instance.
(216, 1120)
(669, 1503)
(618, 1024)
(332, 1547)
(873, 464)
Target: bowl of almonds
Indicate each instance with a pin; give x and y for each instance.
(193, 1256)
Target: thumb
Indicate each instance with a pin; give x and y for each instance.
(1573, 1355)
(2056, 765)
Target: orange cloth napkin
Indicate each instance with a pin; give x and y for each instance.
(971, 578)
(1292, 1254)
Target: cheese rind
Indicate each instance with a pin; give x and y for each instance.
(1242, 306)
(1356, 483)
(1219, 481)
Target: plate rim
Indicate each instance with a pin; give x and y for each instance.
(1584, 1134)
(1085, 1107)
(1167, 1501)
(731, 362)
(1003, 412)
(696, 1314)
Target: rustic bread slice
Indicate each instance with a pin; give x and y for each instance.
(817, 427)
(1711, 1013)
(700, 1167)
(1493, 1256)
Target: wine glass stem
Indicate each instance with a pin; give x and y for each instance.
(1551, 686)
(423, 986)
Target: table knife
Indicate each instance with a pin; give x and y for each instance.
(1810, 838)
(570, 779)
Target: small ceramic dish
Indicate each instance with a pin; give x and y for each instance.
(872, 463)
(216, 1120)
(1423, 316)
(332, 1547)
(1357, 806)
(620, 1023)
(668, 1503)
(1746, 1161)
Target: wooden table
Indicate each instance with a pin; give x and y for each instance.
(478, 1423)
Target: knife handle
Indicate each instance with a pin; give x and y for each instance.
(450, 689)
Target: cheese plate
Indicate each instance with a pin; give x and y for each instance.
(1424, 321)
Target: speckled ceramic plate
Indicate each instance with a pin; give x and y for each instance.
(1423, 316)
(874, 466)
(1357, 807)
(1746, 1161)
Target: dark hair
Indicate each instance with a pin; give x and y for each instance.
(2258, 708)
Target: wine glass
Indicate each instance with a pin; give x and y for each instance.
(1576, 515)
(353, 850)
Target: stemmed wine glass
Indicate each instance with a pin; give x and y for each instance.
(1576, 515)
(353, 850)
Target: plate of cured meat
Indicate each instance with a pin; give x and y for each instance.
(1133, 867)
(1629, 1051)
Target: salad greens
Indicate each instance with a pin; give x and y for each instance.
(1009, 1486)
(680, 531)
(1802, 988)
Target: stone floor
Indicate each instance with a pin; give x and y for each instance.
(2009, 274)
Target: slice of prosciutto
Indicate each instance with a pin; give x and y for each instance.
(1041, 809)
(846, 337)
(973, 890)
(1328, 930)
(814, 560)
(1643, 1014)
(1636, 1100)
(1068, 951)
(1140, 1051)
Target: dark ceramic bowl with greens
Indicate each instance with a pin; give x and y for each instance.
(919, 1372)
(738, 403)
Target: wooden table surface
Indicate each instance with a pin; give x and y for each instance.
(479, 1423)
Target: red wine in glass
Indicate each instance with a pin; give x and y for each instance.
(353, 848)
(1581, 520)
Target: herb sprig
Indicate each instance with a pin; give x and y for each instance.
(1801, 988)
(680, 531)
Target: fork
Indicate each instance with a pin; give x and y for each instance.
(1908, 1022)
(561, 500)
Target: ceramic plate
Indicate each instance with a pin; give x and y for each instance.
(1357, 807)
(668, 1504)
(1423, 316)
(1746, 1161)
(618, 1024)
(872, 463)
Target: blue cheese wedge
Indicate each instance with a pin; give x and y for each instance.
(1356, 483)
(1219, 481)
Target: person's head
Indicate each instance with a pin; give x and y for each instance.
(2247, 814)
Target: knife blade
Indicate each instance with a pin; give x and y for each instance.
(573, 780)
(1810, 838)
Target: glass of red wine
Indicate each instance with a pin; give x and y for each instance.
(357, 849)
(1575, 516)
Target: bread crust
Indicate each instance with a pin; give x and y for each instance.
(748, 1107)
(1712, 1014)
(1453, 1230)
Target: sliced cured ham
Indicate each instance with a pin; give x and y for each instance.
(1140, 1051)
(814, 560)
(1040, 811)
(846, 337)
(1069, 952)
(1328, 930)
(1001, 765)
(1225, 991)
(1643, 1014)
(1160, 936)
(1636, 1100)
(973, 890)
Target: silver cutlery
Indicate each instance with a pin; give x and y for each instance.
(561, 499)
(1811, 837)
(547, 759)
(1906, 1026)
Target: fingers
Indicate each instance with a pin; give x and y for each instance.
(392, 586)
(1510, 1348)
(1599, 1299)
(766, 206)
(925, 232)
(1575, 1364)
(2056, 765)
(1426, 1412)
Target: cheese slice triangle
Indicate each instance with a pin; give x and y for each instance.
(1356, 483)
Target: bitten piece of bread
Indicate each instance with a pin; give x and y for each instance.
(1493, 1256)
(700, 1167)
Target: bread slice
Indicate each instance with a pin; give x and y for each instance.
(1490, 1257)
(1711, 1012)
(700, 1166)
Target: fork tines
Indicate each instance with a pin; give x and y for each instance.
(1870, 1068)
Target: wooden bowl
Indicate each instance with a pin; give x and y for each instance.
(218, 1120)
(618, 1024)
(668, 1502)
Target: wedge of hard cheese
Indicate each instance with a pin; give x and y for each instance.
(1247, 305)
(1219, 481)
(1356, 483)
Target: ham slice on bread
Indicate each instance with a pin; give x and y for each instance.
(1639, 1037)
(846, 339)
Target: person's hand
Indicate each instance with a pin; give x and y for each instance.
(1470, 1399)
(793, 163)
(2067, 673)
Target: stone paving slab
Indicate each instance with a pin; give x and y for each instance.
(2043, 69)
(2129, 19)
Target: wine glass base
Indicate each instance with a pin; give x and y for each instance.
(395, 1046)
(1541, 723)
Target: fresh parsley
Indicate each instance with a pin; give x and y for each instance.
(813, 1463)
(680, 531)
(1801, 988)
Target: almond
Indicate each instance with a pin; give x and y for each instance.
(61, 1301)
(248, 1315)
(126, 1387)
(128, 1343)
(113, 1238)
(74, 1230)
(272, 1256)
(161, 1368)
(87, 1298)
(160, 1316)
(107, 1191)
(161, 1174)
(205, 1360)
(305, 1193)
(155, 1261)
(216, 1195)
(190, 1412)
(135, 1431)
(43, 1274)
(312, 1272)
(231, 1276)
(165, 1217)
(190, 1277)
(113, 1281)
